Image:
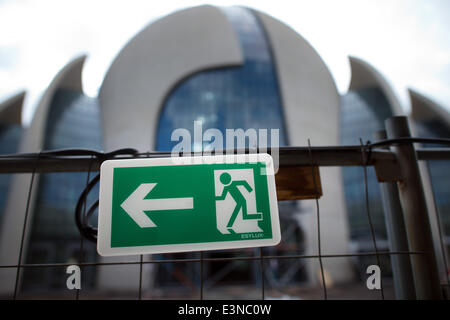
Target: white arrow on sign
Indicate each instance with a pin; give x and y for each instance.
(135, 205)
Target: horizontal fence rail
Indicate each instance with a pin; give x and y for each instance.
(245, 258)
(289, 156)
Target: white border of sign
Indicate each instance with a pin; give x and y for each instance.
(105, 206)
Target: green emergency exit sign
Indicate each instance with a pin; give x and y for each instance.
(187, 204)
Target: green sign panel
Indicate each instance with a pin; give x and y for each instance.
(187, 204)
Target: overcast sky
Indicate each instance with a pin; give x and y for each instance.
(408, 41)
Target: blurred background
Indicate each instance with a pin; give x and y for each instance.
(76, 74)
(41, 36)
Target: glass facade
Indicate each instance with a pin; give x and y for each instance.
(439, 173)
(10, 135)
(73, 122)
(362, 114)
(241, 97)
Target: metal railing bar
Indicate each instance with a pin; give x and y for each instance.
(431, 154)
(93, 264)
(320, 156)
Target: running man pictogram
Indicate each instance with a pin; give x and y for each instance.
(231, 187)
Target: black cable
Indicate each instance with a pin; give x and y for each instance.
(73, 153)
(408, 140)
(83, 226)
(81, 216)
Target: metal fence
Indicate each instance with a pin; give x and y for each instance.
(409, 251)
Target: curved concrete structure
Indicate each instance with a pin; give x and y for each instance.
(423, 109)
(311, 108)
(309, 95)
(11, 109)
(68, 78)
(157, 59)
(366, 76)
(152, 63)
(12, 225)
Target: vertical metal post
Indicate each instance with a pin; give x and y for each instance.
(424, 266)
(396, 232)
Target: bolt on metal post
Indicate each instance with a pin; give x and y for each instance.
(424, 266)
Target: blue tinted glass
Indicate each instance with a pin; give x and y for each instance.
(362, 114)
(10, 135)
(243, 97)
(439, 170)
(73, 122)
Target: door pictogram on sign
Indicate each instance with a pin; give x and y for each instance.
(235, 193)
